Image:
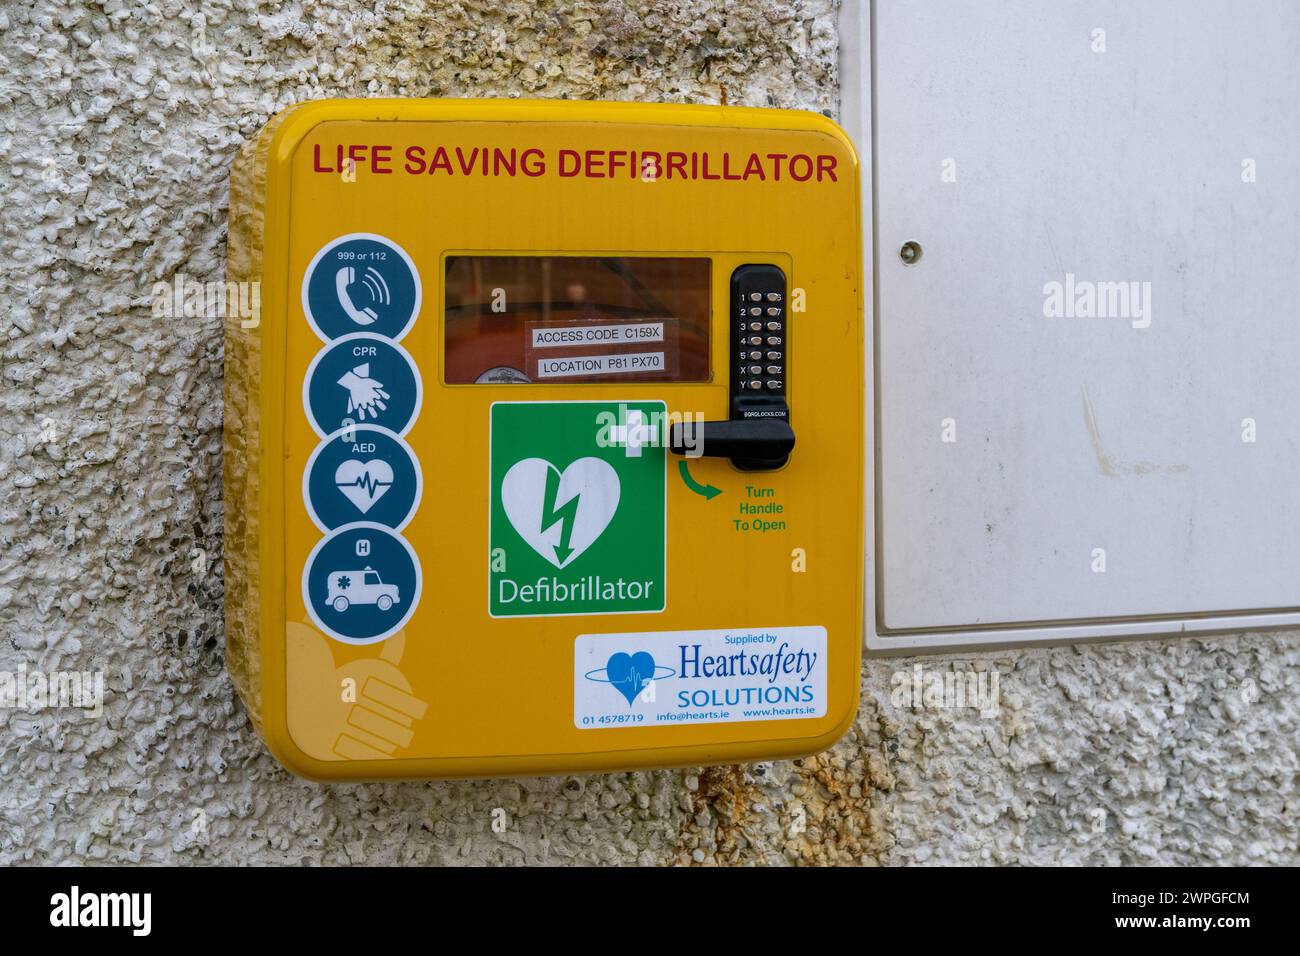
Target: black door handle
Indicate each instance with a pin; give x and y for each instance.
(752, 444)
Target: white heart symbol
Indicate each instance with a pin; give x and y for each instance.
(364, 483)
(561, 529)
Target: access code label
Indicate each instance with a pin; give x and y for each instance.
(625, 333)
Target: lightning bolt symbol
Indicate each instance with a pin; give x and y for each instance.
(566, 514)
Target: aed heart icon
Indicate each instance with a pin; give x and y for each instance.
(560, 514)
(364, 483)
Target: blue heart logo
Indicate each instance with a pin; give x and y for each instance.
(630, 673)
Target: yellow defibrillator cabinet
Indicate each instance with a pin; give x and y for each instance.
(545, 452)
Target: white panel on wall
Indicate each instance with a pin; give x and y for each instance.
(1087, 385)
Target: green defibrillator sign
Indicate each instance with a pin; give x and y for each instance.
(578, 519)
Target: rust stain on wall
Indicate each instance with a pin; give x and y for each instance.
(819, 810)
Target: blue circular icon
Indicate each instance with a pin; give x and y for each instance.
(361, 283)
(362, 583)
(362, 379)
(362, 473)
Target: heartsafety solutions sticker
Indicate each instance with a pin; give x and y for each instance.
(666, 678)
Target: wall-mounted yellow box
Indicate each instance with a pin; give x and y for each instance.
(545, 453)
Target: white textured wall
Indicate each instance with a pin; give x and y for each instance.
(118, 122)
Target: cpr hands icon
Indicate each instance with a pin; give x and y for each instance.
(365, 394)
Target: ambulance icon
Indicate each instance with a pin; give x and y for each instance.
(361, 583)
(347, 588)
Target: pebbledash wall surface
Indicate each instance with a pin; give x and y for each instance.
(118, 127)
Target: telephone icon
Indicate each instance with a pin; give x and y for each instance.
(373, 283)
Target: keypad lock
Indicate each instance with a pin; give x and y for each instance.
(757, 436)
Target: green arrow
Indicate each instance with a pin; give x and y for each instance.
(708, 491)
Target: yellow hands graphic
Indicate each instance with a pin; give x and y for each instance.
(363, 710)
